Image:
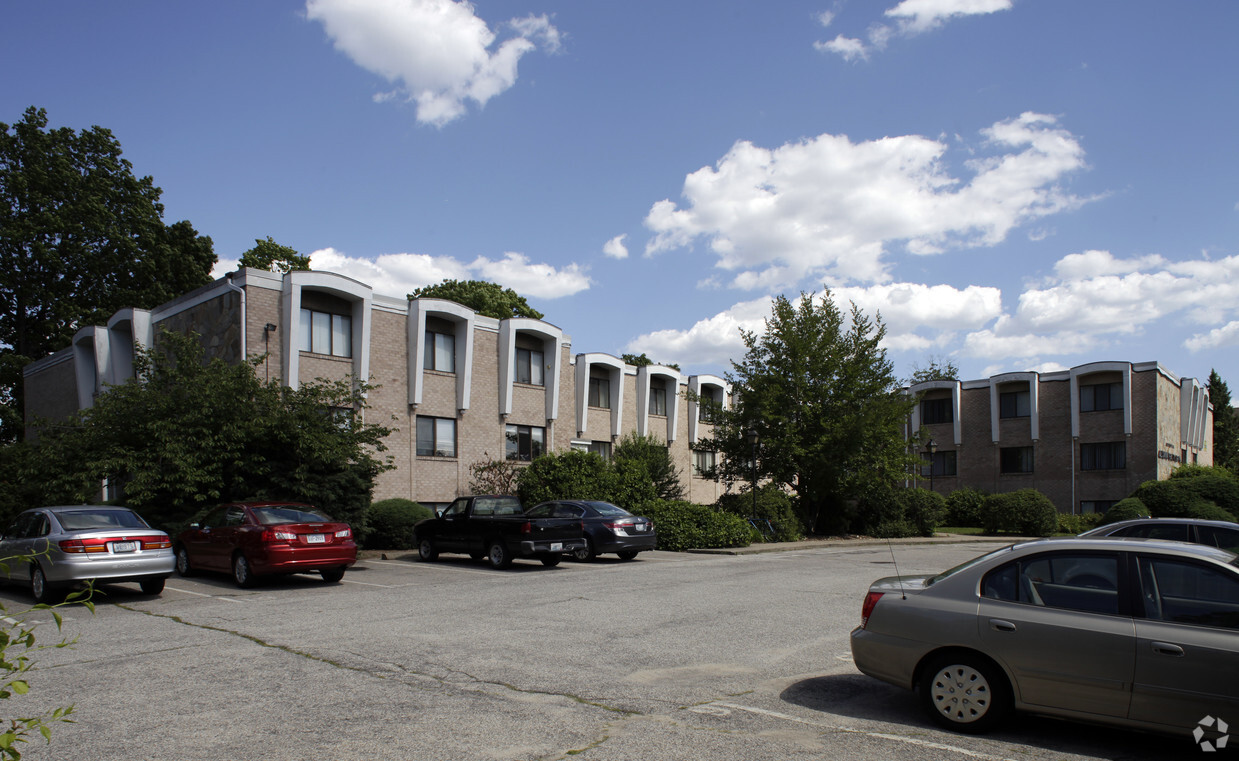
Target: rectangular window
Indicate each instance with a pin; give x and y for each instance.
(529, 367)
(436, 437)
(707, 410)
(601, 448)
(940, 464)
(326, 333)
(524, 442)
(658, 401)
(600, 392)
(1014, 404)
(703, 461)
(937, 411)
(1016, 459)
(1111, 455)
(440, 352)
(1101, 396)
(1096, 505)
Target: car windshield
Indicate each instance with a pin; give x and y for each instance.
(274, 514)
(967, 564)
(608, 510)
(85, 520)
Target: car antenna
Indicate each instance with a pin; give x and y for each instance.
(898, 578)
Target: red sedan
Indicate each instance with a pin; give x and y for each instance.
(252, 539)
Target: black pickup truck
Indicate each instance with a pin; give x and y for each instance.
(496, 528)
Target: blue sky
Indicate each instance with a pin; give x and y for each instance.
(1012, 184)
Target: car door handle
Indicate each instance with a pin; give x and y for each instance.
(1165, 648)
(999, 625)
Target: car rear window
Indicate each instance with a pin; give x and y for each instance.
(609, 510)
(269, 516)
(84, 520)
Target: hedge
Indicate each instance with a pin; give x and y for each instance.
(1026, 512)
(773, 504)
(686, 526)
(389, 523)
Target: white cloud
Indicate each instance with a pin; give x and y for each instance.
(223, 267)
(911, 17)
(711, 341)
(438, 52)
(615, 247)
(400, 274)
(1227, 335)
(827, 208)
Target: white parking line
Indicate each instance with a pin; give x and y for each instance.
(200, 594)
(367, 584)
(852, 730)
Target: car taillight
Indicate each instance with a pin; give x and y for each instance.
(100, 544)
(83, 545)
(155, 542)
(273, 535)
(344, 533)
(527, 527)
(866, 609)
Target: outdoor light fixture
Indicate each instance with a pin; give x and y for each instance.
(931, 446)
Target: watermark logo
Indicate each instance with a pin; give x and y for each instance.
(1216, 729)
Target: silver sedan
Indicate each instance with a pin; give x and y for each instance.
(1129, 632)
(55, 547)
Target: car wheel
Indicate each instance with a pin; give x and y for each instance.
(183, 568)
(550, 561)
(40, 590)
(152, 586)
(427, 551)
(965, 692)
(241, 572)
(498, 555)
(586, 553)
(332, 575)
(627, 554)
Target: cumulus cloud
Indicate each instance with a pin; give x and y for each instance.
(615, 247)
(438, 53)
(400, 274)
(908, 19)
(1227, 335)
(827, 208)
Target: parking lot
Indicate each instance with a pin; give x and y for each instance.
(671, 656)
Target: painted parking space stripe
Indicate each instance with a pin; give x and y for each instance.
(199, 594)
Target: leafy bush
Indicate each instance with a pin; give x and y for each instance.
(389, 523)
(1125, 510)
(494, 477)
(773, 504)
(656, 458)
(685, 526)
(924, 509)
(1026, 512)
(1187, 488)
(1078, 524)
(965, 507)
(880, 512)
(585, 475)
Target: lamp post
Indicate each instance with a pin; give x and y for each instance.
(753, 439)
(931, 446)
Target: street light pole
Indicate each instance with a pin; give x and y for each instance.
(931, 447)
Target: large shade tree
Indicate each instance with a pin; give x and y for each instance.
(490, 299)
(1225, 425)
(819, 392)
(80, 237)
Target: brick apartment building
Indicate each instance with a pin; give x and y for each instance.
(1084, 437)
(457, 386)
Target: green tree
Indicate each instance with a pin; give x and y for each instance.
(1225, 425)
(640, 360)
(937, 368)
(80, 238)
(187, 433)
(271, 256)
(822, 396)
(656, 458)
(490, 299)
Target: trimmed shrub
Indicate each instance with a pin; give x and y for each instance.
(1026, 512)
(1078, 524)
(1186, 489)
(881, 512)
(773, 504)
(965, 507)
(924, 509)
(585, 475)
(685, 526)
(1124, 510)
(389, 523)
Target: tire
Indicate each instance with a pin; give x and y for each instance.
(965, 692)
(627, 554)
(183, 568)
(42, 592)
(152, 586)
(426, 550)
(498, 555)
(550, 561)
(586, 553)
(332, 575)
(242, 573)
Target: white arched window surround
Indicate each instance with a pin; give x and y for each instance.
(950, 385)
(703, 386)
(128, 330)
(463, 318)
(1123, 368)
(90, 358)
(551, 338)
(1033, 381)
(646, 377)
(615, 371)
(358, 295)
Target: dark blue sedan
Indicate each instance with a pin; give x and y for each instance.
(608, 527)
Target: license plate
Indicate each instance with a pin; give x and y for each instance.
(556, 546)
(640, 527)
(315, 539)
(124, 546)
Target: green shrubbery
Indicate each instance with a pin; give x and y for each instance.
(1192, 491)
(773, 504)
(965, 507)
(893, 512)
(685, 526)
(585, 475)
(1125, 510)
(1078, 524)
(1026, 512)
(389, 523)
